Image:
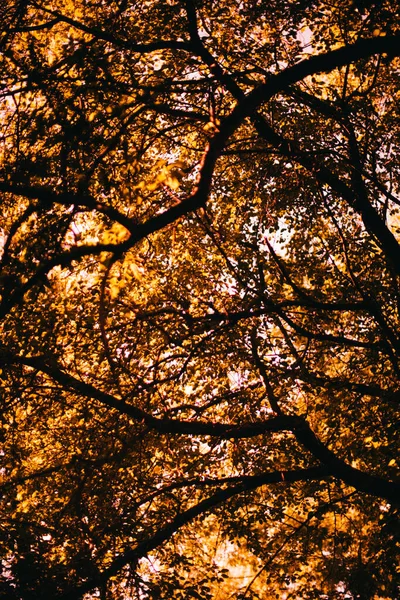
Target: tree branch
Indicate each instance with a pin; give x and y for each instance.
(132, 555)
(364, 482)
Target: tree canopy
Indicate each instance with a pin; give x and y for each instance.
(200, 303)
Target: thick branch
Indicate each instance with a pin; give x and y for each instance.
(132, 555)
(159, 424)
(247, 106)
(363, 482)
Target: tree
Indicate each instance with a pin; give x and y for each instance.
(200, 299)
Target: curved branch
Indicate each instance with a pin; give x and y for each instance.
(159, 424)
(101, 34)
(245, 107)
(248, 105)
(132, 555)
(364, 482)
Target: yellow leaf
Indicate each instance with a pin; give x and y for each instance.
(117, 233)
(136, 272)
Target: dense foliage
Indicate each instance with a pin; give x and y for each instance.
(200, 299)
